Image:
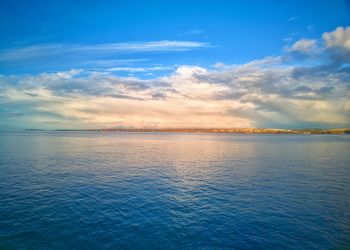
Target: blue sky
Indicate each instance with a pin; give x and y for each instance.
(85, 44)
(238, 31)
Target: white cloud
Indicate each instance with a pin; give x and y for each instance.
(50, 50)
(293, 18)
(140, 69)
(338, 38)
(240, 96)
(303, 45)
(113, 62)
(262, 93)
(148, 46)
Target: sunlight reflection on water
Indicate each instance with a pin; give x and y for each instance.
(171, 191)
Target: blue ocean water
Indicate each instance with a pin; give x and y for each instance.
(76, 190)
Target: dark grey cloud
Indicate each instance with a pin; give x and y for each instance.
(12, 114)
(159, 96)
(31, 94)
(229, 95)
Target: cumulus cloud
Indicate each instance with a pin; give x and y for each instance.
(338, 38)
(338, 44)
(269, 92)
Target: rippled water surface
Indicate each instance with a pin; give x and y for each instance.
(63, 190)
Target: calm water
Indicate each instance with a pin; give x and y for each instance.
(174, 191)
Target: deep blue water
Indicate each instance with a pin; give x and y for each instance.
(63, 190)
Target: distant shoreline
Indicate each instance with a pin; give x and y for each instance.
(210, 130)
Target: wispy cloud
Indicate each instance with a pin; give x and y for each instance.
(293, 18)
(113, 62)
(311, 28)
(192, 32)
(141, 69)
(49, 50)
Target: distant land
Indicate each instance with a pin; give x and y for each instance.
(213, 130)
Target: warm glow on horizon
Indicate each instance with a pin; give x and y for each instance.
(186, 81)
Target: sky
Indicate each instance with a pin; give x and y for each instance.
(174, 64)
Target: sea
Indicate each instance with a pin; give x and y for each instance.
(109, 190)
